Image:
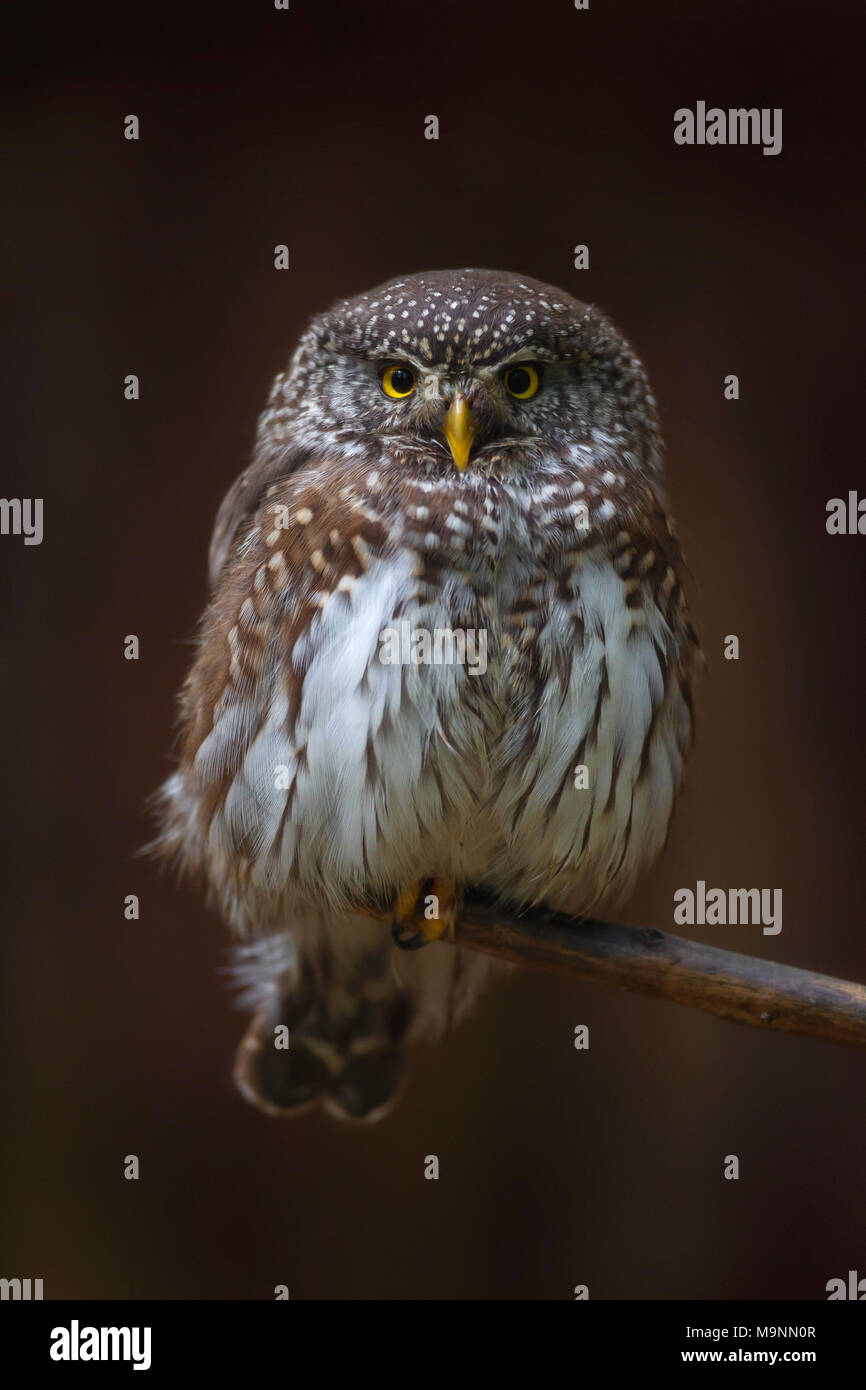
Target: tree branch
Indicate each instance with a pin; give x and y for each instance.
(745, 989)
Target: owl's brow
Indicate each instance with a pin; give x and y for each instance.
(531, 352)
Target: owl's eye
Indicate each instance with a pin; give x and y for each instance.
(522, 382)
(398, 382)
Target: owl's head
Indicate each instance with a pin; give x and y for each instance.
(467, 369)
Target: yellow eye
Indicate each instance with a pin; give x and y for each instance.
(398, 381)
(522, 382)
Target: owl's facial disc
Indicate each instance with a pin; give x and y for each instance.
(464, 406)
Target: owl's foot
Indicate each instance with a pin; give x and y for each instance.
(424, 912)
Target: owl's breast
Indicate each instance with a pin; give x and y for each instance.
(429, 710)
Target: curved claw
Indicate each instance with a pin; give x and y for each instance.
(412, 942)
(412, 927)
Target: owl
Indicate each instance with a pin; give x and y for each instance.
(447, 647)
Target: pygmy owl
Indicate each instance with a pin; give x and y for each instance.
(447, 646)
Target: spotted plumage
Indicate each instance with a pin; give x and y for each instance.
(513, 490)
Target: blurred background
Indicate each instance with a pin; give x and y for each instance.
(306, 127)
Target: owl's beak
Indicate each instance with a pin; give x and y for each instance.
(459, 429)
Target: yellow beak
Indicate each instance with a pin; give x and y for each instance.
(459, 429)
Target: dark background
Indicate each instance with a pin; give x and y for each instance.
(306, 127)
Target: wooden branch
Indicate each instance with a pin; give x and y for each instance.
(745, 989)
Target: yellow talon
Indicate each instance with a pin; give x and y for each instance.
(405, 902)
(412, 928)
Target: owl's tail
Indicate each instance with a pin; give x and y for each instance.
(330, 1029)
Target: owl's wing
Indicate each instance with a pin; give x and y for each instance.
(244, 498)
